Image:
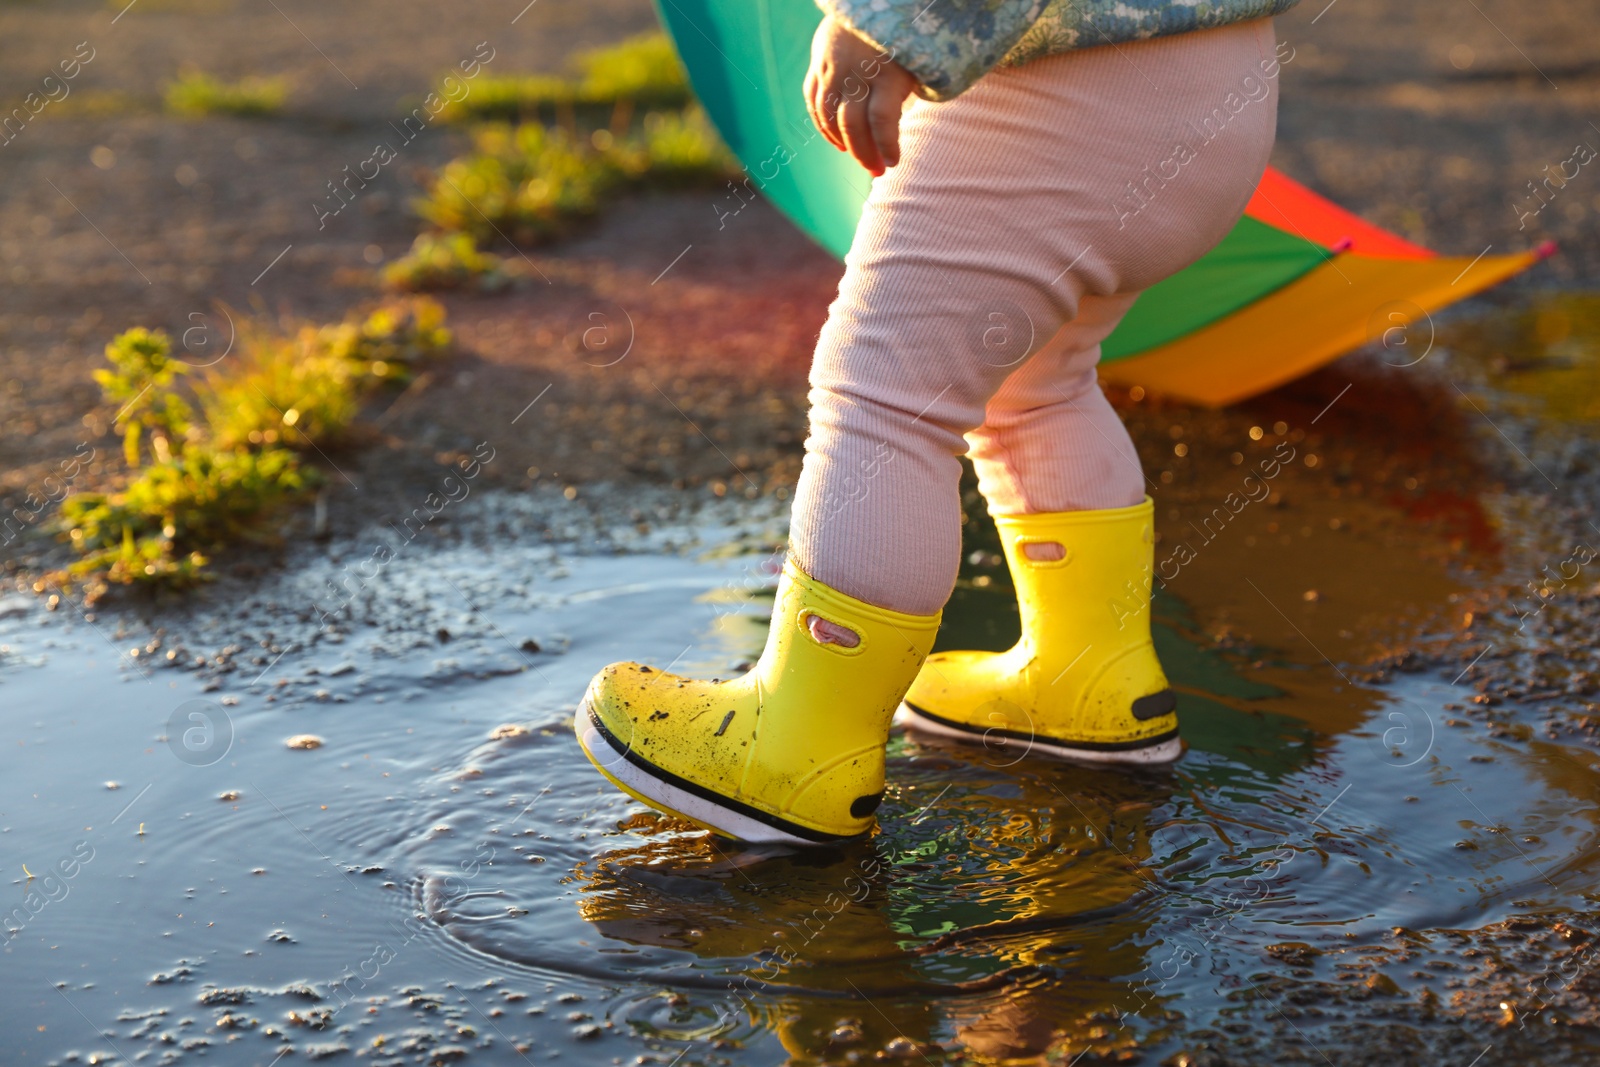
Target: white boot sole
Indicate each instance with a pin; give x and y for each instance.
(1160, 752)
(624, 767)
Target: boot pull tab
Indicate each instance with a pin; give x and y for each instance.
(834, 636)
(1043, 552)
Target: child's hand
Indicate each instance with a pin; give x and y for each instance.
(854, 93)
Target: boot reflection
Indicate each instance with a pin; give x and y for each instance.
(1005, 919)
(801, 942)
(1049, 876)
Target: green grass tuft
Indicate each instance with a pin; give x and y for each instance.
(212, 481)
(158, 529)
(141, 383)
(641, 71)
(198, 93)
(450, 261)
(532, 183)
(644, 69)
(682, 148)
(388, 344)
(510, 98)
(283, 392)
(301, 388)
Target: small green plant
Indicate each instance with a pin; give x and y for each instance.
(511, 97)
(283, 391)
(210, 482)
(644, 69)
(301, 387)
(641, 71)
(158, 529)
(140, 382)
(191, 497)
(198, 93)
(528, 181)
(532, 183)
(445, 262)
(682, 148)
(389, 343)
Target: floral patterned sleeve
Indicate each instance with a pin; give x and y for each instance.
(946, 44)
(949, 44)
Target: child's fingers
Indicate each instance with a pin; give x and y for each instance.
(814, 104)
(883, 113)
(808, 93)
(821, 100)
(858, 135)
(831, 106)
(824, 105)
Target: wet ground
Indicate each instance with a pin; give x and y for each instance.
(319, 814)
(319, 810)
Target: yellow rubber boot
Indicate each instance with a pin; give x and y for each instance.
(793, 751)
(1083, 682)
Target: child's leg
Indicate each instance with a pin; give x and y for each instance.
(1006, 219)
(1077, 176)
(1050, 441)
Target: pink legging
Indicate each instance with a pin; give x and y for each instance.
(1023, 221)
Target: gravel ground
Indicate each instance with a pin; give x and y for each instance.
(116, 214)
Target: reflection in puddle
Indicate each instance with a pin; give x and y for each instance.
(1543, 352)
(447, 853)
(445, 877)
(1013, 906)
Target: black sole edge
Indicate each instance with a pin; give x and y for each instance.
(727, 804)
(1024, 738)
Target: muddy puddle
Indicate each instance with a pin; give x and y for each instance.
(351, 821)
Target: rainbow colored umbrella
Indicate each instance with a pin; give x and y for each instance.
(1297, 283)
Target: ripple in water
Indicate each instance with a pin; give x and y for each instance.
(1003, 903)
(1027, 892)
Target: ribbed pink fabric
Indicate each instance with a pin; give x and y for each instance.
(1023, 219)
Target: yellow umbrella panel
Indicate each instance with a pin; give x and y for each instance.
(1347, 301)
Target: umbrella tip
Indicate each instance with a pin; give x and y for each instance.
(1343, 244)
(1545, 250)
